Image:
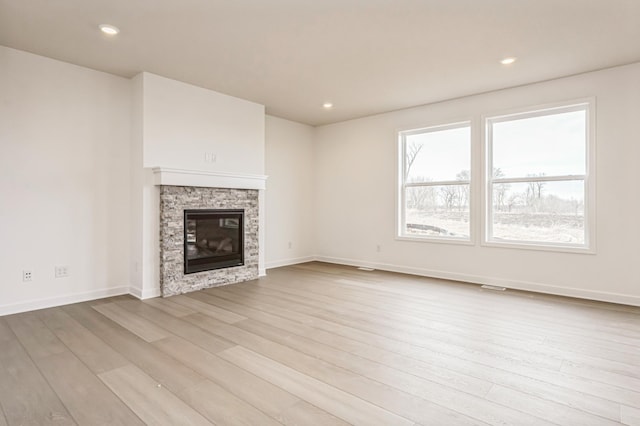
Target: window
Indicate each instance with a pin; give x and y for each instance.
(435, 177)
(538, 191)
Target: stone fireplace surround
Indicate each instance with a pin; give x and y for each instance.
(180, 190)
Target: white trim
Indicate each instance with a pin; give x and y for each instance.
(437, 183)
(262, 226)
(67, 299)
(601, 296)
(535, 109)
(536, 245)
(202, 178)
(539, 179)
(446, 275)
(437, 240)
(590, 180)
(287, 262)
(436, 127)
(399, 189)
(146, 294)
(475, 189)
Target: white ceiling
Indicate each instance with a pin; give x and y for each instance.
(365, 56)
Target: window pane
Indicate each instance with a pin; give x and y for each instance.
(438, 155)
(550, 145)
(441, 211)
(551, 212)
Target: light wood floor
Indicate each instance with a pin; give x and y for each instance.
(325, 345)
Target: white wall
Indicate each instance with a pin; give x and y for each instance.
(356, 178)
(290, 212)
(64, 181)
(138, 249)
(183, 122)
(174, 125)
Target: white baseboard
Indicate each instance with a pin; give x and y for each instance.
(601, 296)
(67, 299)
(292, 261)
(146, 294)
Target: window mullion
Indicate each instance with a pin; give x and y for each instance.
(439, 183)
(539, 179)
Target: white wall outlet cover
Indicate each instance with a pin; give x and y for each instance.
(61, 271)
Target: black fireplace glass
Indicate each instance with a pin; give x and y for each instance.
(213, 239)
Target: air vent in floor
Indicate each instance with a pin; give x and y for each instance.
(493, 287)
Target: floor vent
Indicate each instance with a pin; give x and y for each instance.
(362, 268)
(493, 287)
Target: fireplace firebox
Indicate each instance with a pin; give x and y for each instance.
(213, 239)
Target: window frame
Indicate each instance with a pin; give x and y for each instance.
(402, 184)
(589, 246)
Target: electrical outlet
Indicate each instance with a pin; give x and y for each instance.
(210, 157)
(290, 244)
(27, 275)
(62, 271)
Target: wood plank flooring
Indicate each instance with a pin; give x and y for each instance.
(321, 344)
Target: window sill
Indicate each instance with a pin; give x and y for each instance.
(539, 247)
(438, 240)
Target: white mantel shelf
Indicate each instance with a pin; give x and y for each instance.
(180, 177)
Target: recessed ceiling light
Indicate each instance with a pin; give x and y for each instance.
(108, 29)
(327, 105)
(508, 61)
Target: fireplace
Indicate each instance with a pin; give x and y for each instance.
(176, 274)
(213, 239)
